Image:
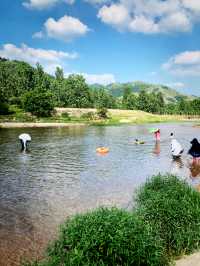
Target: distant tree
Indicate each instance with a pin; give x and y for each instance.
(75, 92)
(195, 105)
(126, 95)
(58, 85)
(182, 106)
(59, 74)
(40, 100)
(171, 108)
(143, 102)
(102, 99)
(161, 102)
(41, 79)
(156, 103)
(131, 102)
(39, 103)
(15, 79)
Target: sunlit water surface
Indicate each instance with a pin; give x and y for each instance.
(62, 174)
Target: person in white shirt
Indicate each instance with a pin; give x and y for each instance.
(176, 148)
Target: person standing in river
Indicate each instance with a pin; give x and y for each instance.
(194, 151)
(157, 135)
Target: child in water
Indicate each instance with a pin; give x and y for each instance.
(157, 135)
(194, 151)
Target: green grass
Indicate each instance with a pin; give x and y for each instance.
(106, 237)
(17, 115)
(165, 224)
(172, 207)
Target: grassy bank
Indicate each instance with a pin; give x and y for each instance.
(164, 225)
(90, 117)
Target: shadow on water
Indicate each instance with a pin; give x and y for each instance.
(62, 174)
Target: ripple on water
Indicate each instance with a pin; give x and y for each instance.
(62, 174)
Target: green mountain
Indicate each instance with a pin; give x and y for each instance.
(169, 94)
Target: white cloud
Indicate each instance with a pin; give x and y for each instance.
(184, 64)
(38, 35)
(192, 4)
(151, 16)
(44, 4)
(48, 58)
(116, 15)
(143, 24)
(178, 21)
(66, 28)
(103, 79)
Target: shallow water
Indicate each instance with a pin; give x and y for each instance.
(62, 174)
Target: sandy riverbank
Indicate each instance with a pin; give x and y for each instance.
(38, 125)
(192, 260)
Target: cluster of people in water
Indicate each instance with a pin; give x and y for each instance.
(176, 148)
(176, 152)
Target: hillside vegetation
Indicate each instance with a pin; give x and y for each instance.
(34, 91)
(170, 95)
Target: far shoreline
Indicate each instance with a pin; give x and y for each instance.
(39, 125)
(7, 125)
(83, 117)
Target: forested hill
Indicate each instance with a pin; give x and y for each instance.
(17, 77)
(170, 95)
(36, 92)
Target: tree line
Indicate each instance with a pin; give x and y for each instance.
(37, 92)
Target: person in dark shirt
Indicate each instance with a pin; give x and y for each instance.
(194, 151)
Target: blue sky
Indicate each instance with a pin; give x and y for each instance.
(123, 40)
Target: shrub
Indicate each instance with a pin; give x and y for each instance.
(15, 101)
(106, 237)
(39, 103)
(4, 109)
(66, 116)
(102, 113)
(172, 207)
(24, 117)
(88, 116)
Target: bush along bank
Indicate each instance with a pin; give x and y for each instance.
(164, 224)
(172, 207)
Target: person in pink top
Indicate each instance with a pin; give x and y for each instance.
(157, 135)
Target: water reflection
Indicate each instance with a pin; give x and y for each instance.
(157, 148)
(176, 165)
(195, 169)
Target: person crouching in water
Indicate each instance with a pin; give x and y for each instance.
(157, 135)
(194, 151)
(176, 148)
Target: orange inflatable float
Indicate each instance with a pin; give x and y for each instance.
(102, 150)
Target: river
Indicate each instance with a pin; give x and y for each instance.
(62, 174)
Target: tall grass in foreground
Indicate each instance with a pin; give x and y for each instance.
(165, 224)
(106, 237)
(172, 207)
